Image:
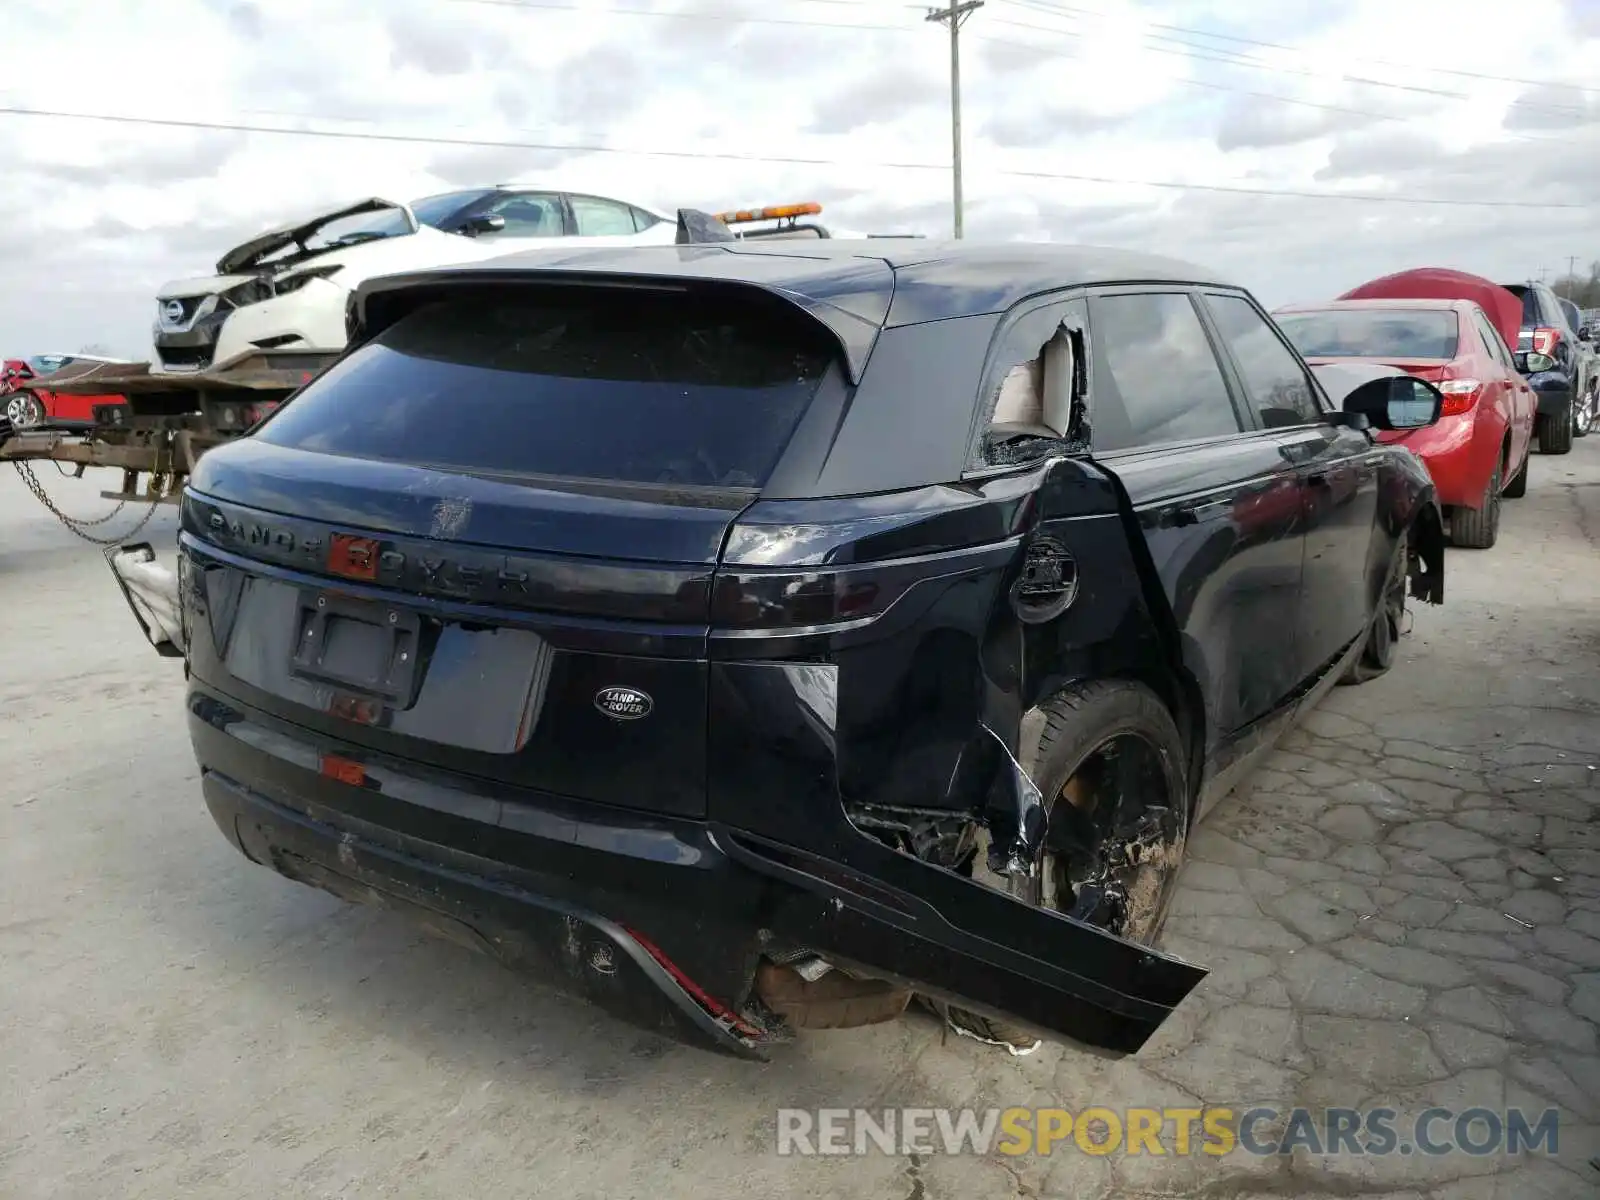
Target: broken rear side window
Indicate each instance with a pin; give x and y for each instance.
(630, 386)
(1036, 386)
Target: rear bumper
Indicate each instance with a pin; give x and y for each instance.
(1460, 452)
(530, 929)
(1554, 392)
(662, 921)
(551, 890)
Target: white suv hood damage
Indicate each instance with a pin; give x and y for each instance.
(413, 245)
(281, 289)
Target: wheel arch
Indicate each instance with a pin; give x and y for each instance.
(1173, 685)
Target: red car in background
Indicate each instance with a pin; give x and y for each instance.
(33, 408)
(1478, 451)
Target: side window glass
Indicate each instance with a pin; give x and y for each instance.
(601, 218)
(1156, 378)
(1570, 316)
(1552, 310)
(643, 220)
(1272, 374)
(1037, 385)
(528, 214)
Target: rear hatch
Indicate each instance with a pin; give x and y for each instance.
(1531, 318)
(484, 541)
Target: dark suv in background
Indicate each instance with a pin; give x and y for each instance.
(1586, 408)
(1555, 365)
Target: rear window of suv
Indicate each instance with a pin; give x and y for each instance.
(1373, 333)
(1531, 315)
(635, 387)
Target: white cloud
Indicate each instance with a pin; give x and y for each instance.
(93, 217)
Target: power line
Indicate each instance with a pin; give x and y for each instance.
(1290, 192)
(705, 155)
(1186, 81)
(724, 18)
(1216, 54)
(1032, 5)
(1048, 6)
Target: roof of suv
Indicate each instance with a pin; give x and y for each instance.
(882, 283)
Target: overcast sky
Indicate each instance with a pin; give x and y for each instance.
(1443, 99)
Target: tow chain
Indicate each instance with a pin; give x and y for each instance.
(73, 524)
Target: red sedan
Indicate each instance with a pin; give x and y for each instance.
(1478, 451)
(32, 408)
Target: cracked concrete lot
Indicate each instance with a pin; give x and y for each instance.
(1402, 909)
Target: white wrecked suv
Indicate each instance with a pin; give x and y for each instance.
(287, 288)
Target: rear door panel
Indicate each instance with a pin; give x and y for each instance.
(1223, 523)
(1344, 544)
(1222, 518)
(1337, 470)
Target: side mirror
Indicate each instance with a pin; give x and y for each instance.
(1398, 402)
(486, 223)
(1531, 362)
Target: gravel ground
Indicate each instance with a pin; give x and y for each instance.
(1403, 908)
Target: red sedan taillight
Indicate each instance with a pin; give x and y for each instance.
(1459, 396)
(1545, 341)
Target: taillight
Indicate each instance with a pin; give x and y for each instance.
(1459, 396)
(747, 598)
(1545, 341)
(755, 600)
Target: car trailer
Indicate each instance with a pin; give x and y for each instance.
(168, 420)
(165, 420)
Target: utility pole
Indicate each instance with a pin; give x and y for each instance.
(1543, 273)
(957, 13)
(1572, 274)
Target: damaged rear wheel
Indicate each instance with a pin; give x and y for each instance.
(1109, 762)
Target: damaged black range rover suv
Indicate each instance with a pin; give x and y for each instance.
(761, 636)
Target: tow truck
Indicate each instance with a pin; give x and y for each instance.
(163, 421)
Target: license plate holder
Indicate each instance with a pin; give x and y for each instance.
(357, 645)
